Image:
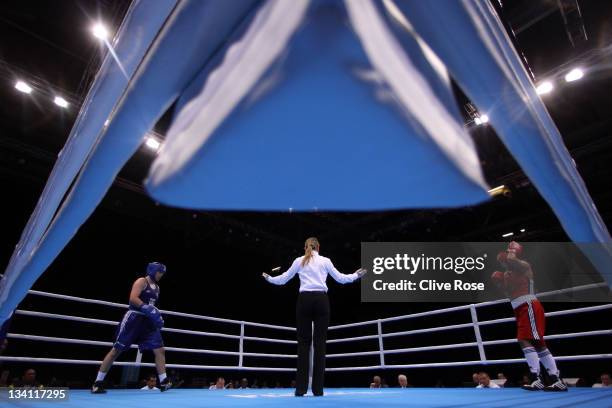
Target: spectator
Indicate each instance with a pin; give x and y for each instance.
(502, 381)
(28, 379)
(55, 382)
(244, 384)
(605, 381)
(199, 382)
(524, 380)
(376, 382)
(151, 383)
(485, 381)
(219, 385)
(402, 380)
(475, 379)
(175, 379)
(4, 378)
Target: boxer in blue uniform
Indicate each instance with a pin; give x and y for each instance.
(141, 325)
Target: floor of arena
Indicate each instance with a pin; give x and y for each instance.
(338, 397)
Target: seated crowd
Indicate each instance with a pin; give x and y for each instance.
(482, 379)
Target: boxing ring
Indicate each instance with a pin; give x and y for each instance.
(242, 338)
(355, 397)
(210, 44)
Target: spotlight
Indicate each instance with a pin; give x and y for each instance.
(544, 88)
(484, 119)
(23, 87)
(574, 75)
(61, 102)
(99, 31)
(499, 190)
(477, 121)
(152, 143)
(508, 234)
(522, 229)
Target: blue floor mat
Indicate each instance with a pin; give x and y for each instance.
(335, 397)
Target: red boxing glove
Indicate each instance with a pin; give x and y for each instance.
(497, 277)
(502, 257)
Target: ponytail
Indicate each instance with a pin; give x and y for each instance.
(312, 244)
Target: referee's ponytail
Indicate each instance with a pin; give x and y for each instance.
(312, 244)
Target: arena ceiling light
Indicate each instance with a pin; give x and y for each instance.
(508, 234)
(99, 31)
(23, 87)
(499, 190)
(61, 102)
(152, 143)
(522, 229)
(544, 88)
(481, 120)
(574, 75)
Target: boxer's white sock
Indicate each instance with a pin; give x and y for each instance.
(548, 361)
(532, 359)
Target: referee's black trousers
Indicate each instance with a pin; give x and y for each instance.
(312, 307)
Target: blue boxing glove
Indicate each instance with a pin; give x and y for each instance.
(153, 314)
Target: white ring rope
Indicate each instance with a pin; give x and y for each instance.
(64, 317)
(428, 330)
(465, 307)
(354, 354)
(167, 312)
(553, 314)
(109, 344)
(466, 363)
(168, 329)
(133, 363)
(379, 336)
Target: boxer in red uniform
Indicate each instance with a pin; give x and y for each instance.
(517, 282)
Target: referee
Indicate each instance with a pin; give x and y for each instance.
(312, 307)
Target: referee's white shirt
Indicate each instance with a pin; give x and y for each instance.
(314, 274)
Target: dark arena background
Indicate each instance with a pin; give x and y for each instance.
(215, 258)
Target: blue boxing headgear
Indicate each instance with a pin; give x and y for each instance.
(153, 268)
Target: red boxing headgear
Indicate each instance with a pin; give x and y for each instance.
(515, 248)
